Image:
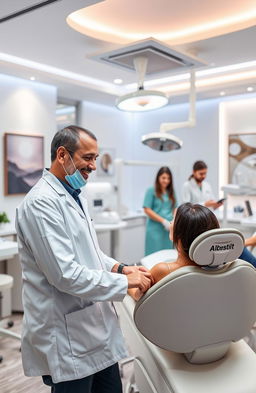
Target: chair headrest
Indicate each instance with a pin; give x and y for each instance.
(216, 247)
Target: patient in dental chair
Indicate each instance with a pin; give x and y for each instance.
(190, 221)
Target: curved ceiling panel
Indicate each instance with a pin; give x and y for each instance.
(122, 21)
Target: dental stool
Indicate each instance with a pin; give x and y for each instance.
(191, 323)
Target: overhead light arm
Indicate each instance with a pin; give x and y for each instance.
(141, 100)
(163, 141)
(191, 122)
(140, 65)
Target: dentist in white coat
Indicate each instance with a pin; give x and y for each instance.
(197, 190)
(71, 335)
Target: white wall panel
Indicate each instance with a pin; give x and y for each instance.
(25, 107)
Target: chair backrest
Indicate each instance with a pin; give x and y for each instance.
(197, 311)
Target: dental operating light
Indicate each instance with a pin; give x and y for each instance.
(162, 141)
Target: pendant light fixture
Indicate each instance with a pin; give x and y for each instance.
(141, 100)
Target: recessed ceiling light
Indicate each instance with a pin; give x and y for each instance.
(118, 81)
(250, 88)
(222, 93)
(32, 78)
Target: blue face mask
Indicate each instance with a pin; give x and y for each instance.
(75, 180)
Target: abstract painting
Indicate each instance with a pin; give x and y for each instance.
(23, 162)
(242, 159)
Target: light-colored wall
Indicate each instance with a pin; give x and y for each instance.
(29, 107)
(123, 131)
(200, 142)
(113, 129)
(25, 107)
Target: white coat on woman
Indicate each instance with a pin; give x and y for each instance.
(70, 325)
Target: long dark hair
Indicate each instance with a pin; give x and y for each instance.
(169, 189)
(190, 221)
(198, 166)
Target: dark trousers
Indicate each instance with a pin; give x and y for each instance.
(105, 381)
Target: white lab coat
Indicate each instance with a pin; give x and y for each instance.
(70, 325)
(193, 193)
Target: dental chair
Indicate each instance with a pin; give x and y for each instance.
(186, 333)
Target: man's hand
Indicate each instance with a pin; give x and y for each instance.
(132, 269)
(213, 204)
(138, 277)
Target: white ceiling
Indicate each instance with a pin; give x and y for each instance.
(43, 36)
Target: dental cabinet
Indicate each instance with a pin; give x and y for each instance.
(130, 241)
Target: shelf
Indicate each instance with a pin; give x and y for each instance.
(238, 190)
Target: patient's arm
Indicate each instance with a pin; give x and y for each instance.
(159, 271)
(135, 293)
(251, 241)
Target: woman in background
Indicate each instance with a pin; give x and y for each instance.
(159, 205)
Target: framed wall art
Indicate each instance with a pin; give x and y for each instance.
(242, 159)
(23, 162)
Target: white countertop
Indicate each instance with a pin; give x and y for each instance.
(7, 230)
(237, 218)
(132, 215)
(249, 222)
(8, 249)
(109, 227)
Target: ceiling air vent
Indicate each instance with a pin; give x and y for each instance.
(161, 58)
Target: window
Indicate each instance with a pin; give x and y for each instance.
(66, 114)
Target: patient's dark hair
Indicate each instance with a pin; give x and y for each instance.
(190, 221)
(69, 138)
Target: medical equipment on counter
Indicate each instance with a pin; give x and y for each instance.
(101, 202)
(237, 190)
(202, 312)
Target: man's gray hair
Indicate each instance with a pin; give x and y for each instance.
(69, 138)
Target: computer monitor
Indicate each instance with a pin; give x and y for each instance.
(100, 196)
